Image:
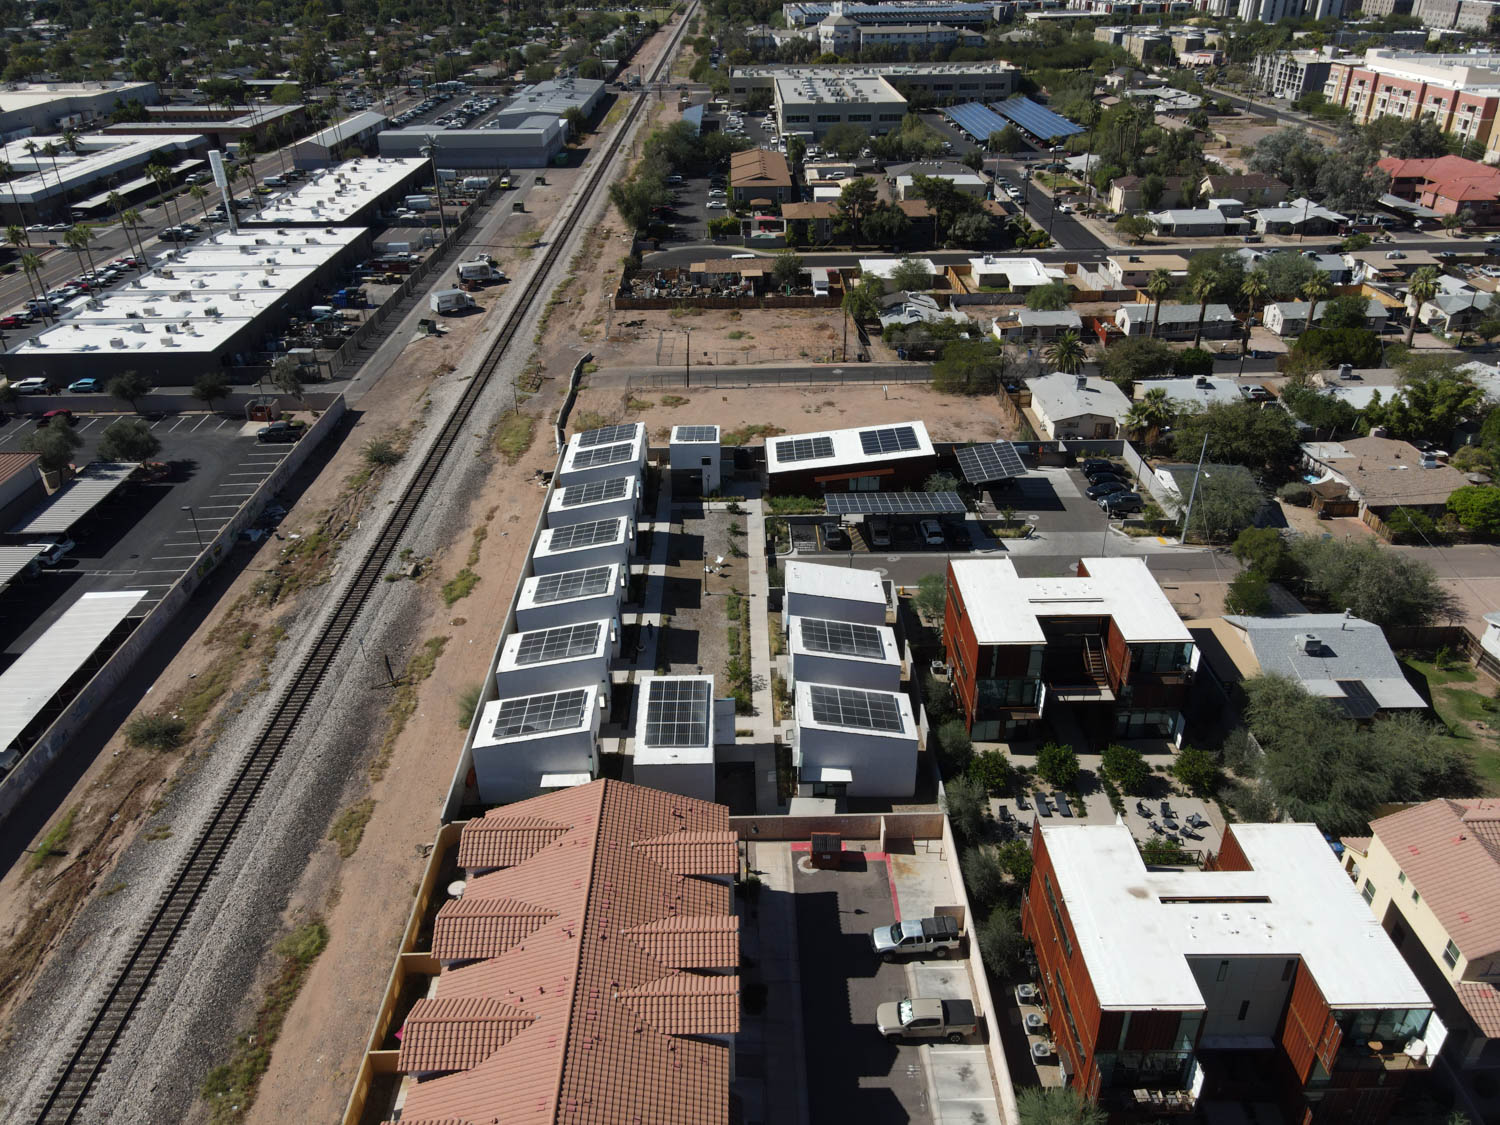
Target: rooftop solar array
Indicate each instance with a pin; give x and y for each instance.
(535, 714)
(595, 491)
(606, 435)
(976, 119)
(1037, 120)
(804, 449)
(895, 504)
(843, 638)
(998, 460)
(677, 713)
(894, 439)
(601, 455)
(696, 433)
(589, 534)
(561, 643)
(1357, 700)
(571, 584)
(851, 707)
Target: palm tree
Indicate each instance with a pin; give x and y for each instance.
(1254, 289)
(51, 150)
(1203, 289)
(70, 139)
(161, 175)
(32, 264)
(24, 267)
(1422, 288)
(1158, 285)
(199, 194)
(77, 240)
(1148, 415)
(31, 150)
(1066, 353)
(132, 220)
(1315, 290)
(7, 173)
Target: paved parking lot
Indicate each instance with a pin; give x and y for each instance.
(141, 538)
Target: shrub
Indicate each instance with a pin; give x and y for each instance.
(937, 697)
(1249, 594)
(1001, 943)
(1126, 768)
(954, 748)
(1298, 493)
(380, 452)
(1057, 764)
(984, 877)
(1407, 526)
(1197, 769)
(1014, 857)
(1160, 850)
(967, 806)
(991, 770)
(158, 732)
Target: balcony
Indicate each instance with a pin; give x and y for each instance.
(1375, 1055)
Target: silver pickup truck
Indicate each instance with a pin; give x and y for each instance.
(918, 937)
(918, 1018)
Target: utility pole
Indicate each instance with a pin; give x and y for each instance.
(1193, 494)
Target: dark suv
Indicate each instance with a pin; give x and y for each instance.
(278, 433)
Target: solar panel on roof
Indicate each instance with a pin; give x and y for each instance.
(1357, 701)
(606, 435)
(571, 584)
(560, 643)
(534, 714)
(851, 707)
(589, 534)
(894, 439)
(677, 713)
(696, 433)
(975, 119)
(844, 638)
(804, 449)
(894, 503)
(595, 491)
(601, 455)
(1036, 119)
(997, 460)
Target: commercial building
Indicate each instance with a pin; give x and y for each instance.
(327, 146)
(1290, 74)
(882, 15)
(808, 105)
(212, 304)
(48, 107)
(1334, 656)
(1447, 185)
(551, 98)
(355, 193)
(878, 458)
(1455, 15)
(1077, 406)
(942, 82)
(21, 487)
(1105, 642)
(530, 143)
(52, 181)
(222, 127)
(1431, 874)
(1262, 974)
(1460, 93)
(590, 960)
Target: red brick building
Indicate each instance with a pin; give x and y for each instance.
(1105, 642)
(1263, 973)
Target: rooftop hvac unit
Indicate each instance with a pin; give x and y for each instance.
(265, 283)
(200, 284)
(149, 310)
(117, 341)
(1308, 643)
(138, 327)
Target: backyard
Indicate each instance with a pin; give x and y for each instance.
(1465, 700)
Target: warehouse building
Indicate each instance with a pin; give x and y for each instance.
(552, 98)
(530, 143)
(355, 193)
(45, 107)
(66, 183)
(223, 127)
(323, 147)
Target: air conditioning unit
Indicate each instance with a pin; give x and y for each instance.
(1309, 643)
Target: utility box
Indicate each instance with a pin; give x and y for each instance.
(827, 851)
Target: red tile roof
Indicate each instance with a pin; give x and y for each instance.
(1450, 852)
(1451, 177)
(442, 1035)
(607, 1006)
(507, 841)
(1360, 844)
(484, 927)
(694, 942)
(1482, 1002)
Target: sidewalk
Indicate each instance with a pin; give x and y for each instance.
(762, 724)
(772, 1057)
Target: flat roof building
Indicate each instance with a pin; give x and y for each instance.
(883, 458)
(844, 653)
(852, 742)
(942, 81)
(1180, 980)
(838, 593)
(809, 105)
(604, 542)
(568, 596)
(353, 193)
(678, 723)
(606, 453)
(530, 744)
(44, 107)
(557, 657)
(529, 143)
(326, 146)
(551, 98)
(54, 186)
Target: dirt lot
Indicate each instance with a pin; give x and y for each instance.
(722, 336)
(793, 410)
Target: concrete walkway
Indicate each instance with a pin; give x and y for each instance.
(762, 725)
(774, 1039)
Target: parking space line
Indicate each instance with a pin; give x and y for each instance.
(162, 422)
(180, 421)
(164, 558)
(90, 423)
(207, 418)
(210, 507)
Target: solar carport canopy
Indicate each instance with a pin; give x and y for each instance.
(895, 504)
(55, 657)
(1037, 120)
(975, 119)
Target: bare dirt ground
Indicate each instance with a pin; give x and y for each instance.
(660, 338)
(794, 410)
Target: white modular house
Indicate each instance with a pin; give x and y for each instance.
(603, 542)
(595, 500)
(694, 457)
(531, 744)
(837, 593)
(854, 743)
(1175, 322)
(557, 657)
(1289, 318)
(843, 653)
(601, 454)
(678, 723)
(568, 597)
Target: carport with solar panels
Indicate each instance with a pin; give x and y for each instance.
(990, 466)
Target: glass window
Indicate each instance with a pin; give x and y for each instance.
(1368, 894)
(1401, 877)
(1057, 917)
(1450, 955)
(1415, 897)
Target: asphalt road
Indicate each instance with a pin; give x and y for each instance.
(140, 538)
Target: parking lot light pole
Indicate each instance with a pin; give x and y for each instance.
(194, 517)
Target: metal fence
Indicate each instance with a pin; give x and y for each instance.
(810, 377)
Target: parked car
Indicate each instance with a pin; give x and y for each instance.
(1105, 488)
(1098, 464)
(14, 320)
(926, 1018)
(280, 432)
(932, 533)
(30, 386)
(86, 386)
(935, 937)
(835, 538)
(879, 530)
(1122, 503)
(904, 533)
(958, 533)
(1114, 472)
(63, 416)
(50, 554)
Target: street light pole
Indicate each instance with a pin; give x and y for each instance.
(194, 517)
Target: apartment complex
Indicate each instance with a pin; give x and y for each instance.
(1265, 971)
(1447, 185)
(1290, 74)
(1431, 875)
(1104, 642)
(1460, 93)
(1456, 15)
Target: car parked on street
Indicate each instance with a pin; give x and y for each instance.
(85, 386)
(30, 386)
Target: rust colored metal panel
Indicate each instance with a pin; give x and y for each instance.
(1152, 1031)
(1231, 856)
(1119, 656)
(1309, 1032)
(962, 650)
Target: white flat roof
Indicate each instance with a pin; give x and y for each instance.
(1137, 946)
(608, 586)
(823, 581)
(837, 90)
(513, 642)
(1004, 608)
(632, 489)
(1023, 273)
(683, 728)
(898, 700)
(846, 447)
(577, 451)
(695, 435)
(39, 673)
(543, 706)
(337, 194)
(76, 499)
(98, 155)
(620, 534)
(889, 654)
(27, 94)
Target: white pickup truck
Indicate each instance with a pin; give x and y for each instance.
(918, 1018)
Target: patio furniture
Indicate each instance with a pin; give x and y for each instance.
(1166, 809)
(1064, 806)
(1042, 805)
(1169, 824)
(1144, 809)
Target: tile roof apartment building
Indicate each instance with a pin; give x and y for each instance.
(1447, 185)
(1431, 876)
(586, 972)
(1263, 974)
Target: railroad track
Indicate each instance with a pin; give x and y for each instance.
(70, 1089)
